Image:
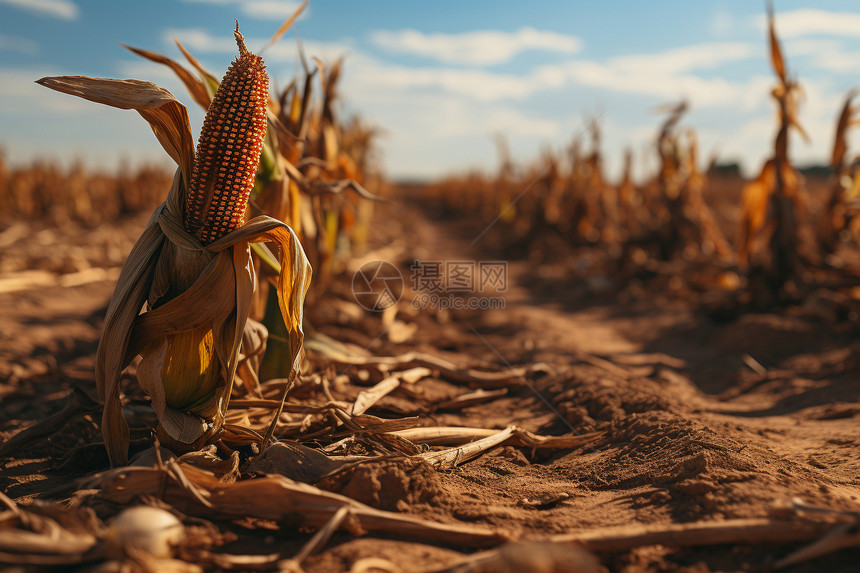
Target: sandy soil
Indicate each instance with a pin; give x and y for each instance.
(704, 420)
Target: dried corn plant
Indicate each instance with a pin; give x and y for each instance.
(31, 192)
(838, 214)
(539, 208)
(602, 197)
(566, 195)
(773, 204)
(683, 222)
(629, 201)
(311, 174)
(579, 208)
(192, 270)
(503, 204)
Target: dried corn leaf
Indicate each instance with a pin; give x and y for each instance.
(446, 369)
(210, 81)
(295, 461)
(59, 537)
(775, 51)
(840, 144)
(369, 397)
(195, 87)
(167, 117)
(842, 536)
(295, 277)
(127, 301)
(288, 23)
(369, 423)
(454, 435)
(471, 398)
(252, 350)
(320, 538)
(275, 498)
(456, 456)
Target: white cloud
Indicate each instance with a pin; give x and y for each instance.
(431, 135)
(795, 23)
(702, 92)
(62, 9)
(811, 46)
(478, 85)
(261, 9)
(38, 122)
(474, 84)
(453, 118)
(264, 10)
(19, 44)
(839, 61)
(828, 54)
(201, 42)
(479, 48)
(685, 58)
(722, 23)
(20, 94)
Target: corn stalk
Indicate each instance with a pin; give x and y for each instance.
(191, 271)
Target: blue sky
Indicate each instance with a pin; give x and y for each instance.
(442, 78)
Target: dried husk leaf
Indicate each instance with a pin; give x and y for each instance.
(126, 302)
(191, 309)
(253, 349)
(232, 267)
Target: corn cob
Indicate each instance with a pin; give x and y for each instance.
(228, 149)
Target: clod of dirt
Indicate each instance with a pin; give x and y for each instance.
(389, 485)
(588, 396)
(662, 448)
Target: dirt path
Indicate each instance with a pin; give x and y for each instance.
(695, 432)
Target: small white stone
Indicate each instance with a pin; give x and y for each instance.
(144, 529)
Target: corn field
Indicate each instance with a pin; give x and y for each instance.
(271, 357)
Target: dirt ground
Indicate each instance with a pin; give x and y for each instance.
(704, 418)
